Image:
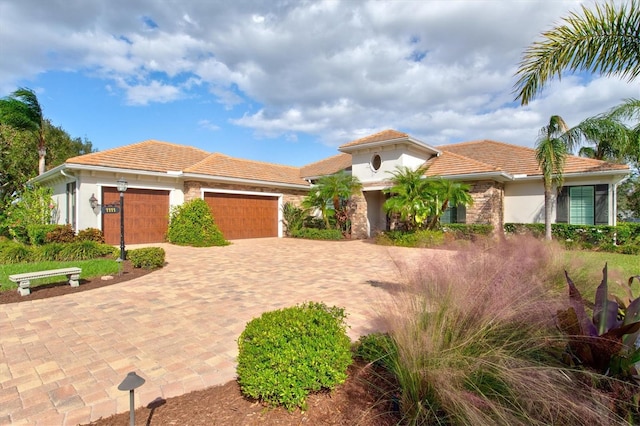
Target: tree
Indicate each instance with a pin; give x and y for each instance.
(22, 111)
(552, 148)
(629, 197)
(338, 190)
(449, 193)
(410, 195)
(608, 137)
(605, 40)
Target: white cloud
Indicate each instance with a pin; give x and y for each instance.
(206, 124)
(442, 70)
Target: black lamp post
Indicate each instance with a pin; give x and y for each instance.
(122, 187)
(131, 382)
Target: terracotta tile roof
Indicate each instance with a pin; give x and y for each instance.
(384, 135)
(515, 159)
(225, 166)
(327, 166)
(149, 155)
(448, 164)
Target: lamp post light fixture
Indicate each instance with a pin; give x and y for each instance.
(131, 382)
(122, 187)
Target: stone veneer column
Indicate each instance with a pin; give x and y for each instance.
(191, 190)
(359, 228)
(488, 206)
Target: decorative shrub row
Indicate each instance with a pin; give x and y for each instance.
(147, 258)
(43, 234)
(428, 238)
(623, 238)
(12, 252)
(192, 225)
(317, 234)
(286, 354)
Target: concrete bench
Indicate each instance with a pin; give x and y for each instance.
(24, 280)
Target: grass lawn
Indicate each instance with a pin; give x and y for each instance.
(620, 267)
(90, 269)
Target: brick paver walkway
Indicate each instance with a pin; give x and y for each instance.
(61, 359)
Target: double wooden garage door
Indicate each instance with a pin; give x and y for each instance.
(146, 216)
(244, 216)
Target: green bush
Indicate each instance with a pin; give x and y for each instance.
(48, 252)
(378, 348)
(84, 250)
(293, 217)
(61, 234)
(317, 234)
(421, 238)
(14, 252)
(467, 231)
(91, 234)
(192, 225)
(286, 354)
(147, 258)
(38, 233)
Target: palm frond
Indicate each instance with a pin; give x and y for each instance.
(605, 40)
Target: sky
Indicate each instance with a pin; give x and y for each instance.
(289, 81)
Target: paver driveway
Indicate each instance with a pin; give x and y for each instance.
(62, 358)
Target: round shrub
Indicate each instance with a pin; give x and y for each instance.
(192, 225)
(147, 258)
(61, 234)
(91, 234)
(49, 252)
(286, 354)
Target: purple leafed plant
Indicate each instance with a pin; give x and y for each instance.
(606, 341)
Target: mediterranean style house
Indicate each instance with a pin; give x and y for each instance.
(246, 196)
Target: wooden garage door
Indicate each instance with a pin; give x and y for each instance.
(146, 216)
(244, 216)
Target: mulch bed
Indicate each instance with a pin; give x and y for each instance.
(364, 399)
(58, 289)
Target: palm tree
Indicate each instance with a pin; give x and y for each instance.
(605, 40)
(338, 189)
(449, 193)
(411, 196)
(552, 148)
(608, 136)
(22, 111)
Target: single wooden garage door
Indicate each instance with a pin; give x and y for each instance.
(244, 216)
(146, 216)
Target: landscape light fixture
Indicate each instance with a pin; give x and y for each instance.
(131, 382)
(122, 187)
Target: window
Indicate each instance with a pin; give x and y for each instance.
(376, 162)
(71, 204)
(454, 215)
(583, 205)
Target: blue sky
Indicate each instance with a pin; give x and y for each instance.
(288, 82)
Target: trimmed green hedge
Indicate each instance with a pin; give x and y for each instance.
(13, 252)
(147, 258)
(317, 234)
(427, 238)
(623, 238)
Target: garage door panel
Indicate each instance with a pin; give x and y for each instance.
(146, 216)
(244, 216)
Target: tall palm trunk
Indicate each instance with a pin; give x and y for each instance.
(547, 212)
